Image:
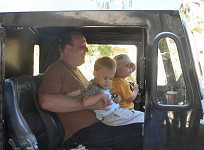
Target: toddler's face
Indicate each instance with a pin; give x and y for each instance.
(104, 77)
(124, 71)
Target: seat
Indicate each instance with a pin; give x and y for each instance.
(17, 120)
(30, 126)
(53, 127)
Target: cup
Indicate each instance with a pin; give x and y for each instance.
(171, 97)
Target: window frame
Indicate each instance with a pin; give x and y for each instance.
(184, 68)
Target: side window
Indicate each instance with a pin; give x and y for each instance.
(171, 87)
(98, 50)
(36, 56)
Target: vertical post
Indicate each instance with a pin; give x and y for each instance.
(2, 76)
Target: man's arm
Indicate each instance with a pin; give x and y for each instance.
(60, 103)
(93, 99)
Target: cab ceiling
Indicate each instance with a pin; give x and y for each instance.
(97, 34)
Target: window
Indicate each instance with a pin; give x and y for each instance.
(36, 56)
(171, 88)
(96, 51)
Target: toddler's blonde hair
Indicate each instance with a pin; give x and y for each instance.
(105, 62)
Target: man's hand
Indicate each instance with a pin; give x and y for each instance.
(102, 103)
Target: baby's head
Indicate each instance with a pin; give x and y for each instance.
(104, 71)
(124, 65)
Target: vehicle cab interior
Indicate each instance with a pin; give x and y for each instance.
(29, 44)
(31, 126)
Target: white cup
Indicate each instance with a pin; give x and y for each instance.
(171, 97)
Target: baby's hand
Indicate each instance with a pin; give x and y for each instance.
(117, 98)
(134, 87)
(131, 83)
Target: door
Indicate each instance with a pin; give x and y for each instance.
(173, 109)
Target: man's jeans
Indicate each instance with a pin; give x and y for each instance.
(127, 137)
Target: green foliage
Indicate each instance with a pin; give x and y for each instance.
(105, 50)
(119, 50)
(188, 12)
(199, 30)
(91, 50)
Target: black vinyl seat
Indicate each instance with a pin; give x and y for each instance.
(29, 125)
(19, 116)
(53, 127)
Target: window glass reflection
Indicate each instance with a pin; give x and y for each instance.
(171, 88)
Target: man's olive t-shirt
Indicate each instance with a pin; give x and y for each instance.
(61, 78)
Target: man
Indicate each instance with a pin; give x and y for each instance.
(80, 123)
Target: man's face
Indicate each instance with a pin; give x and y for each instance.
(78, 50)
